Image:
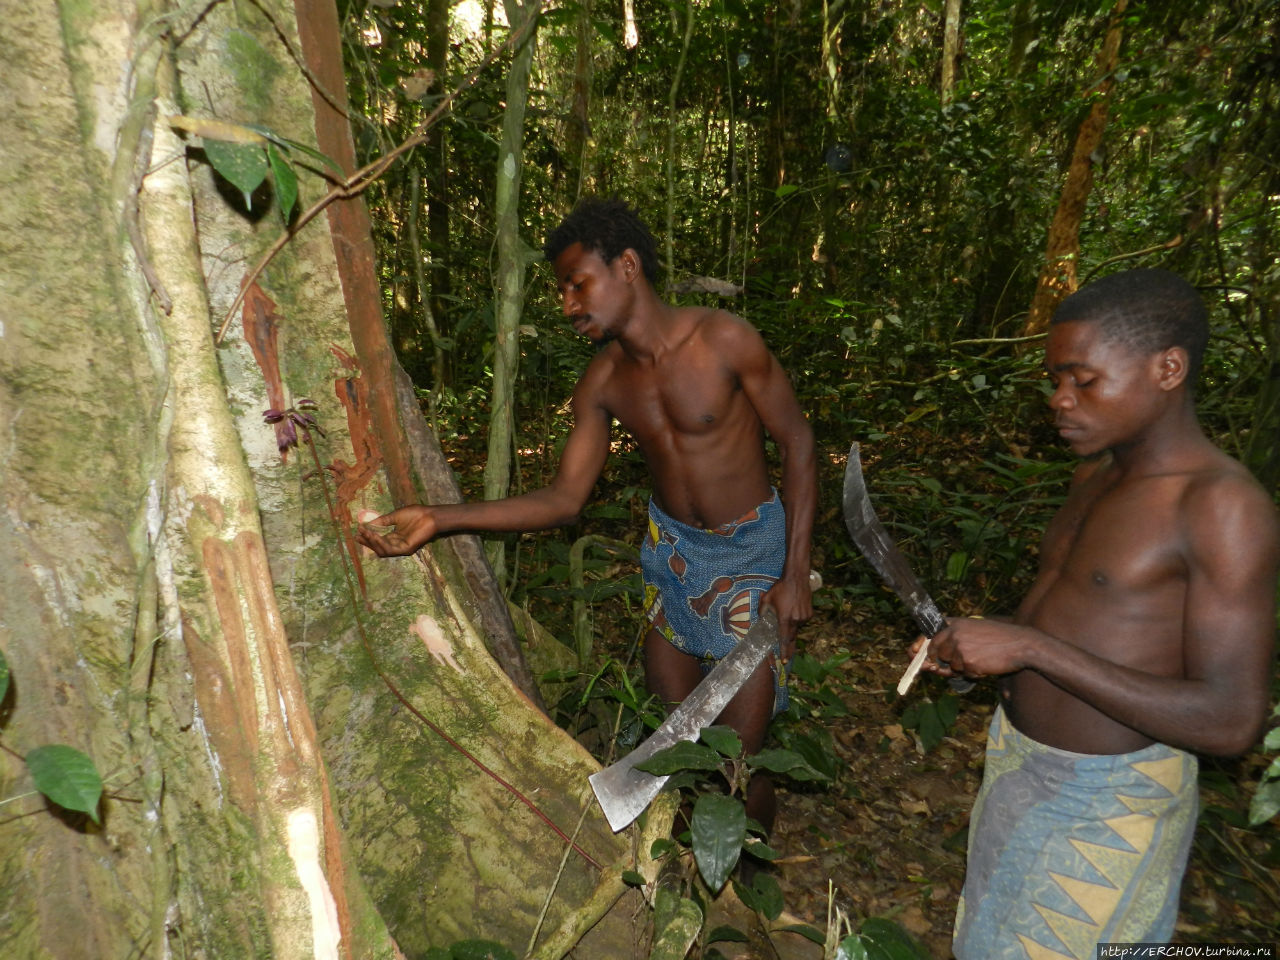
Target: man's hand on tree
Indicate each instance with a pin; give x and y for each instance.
(412, 528)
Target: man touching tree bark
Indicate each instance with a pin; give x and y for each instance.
(698, 389)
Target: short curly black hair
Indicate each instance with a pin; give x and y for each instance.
(1147, 309)
(608, 227)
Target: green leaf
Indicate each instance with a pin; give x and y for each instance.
(723, 740)
(786, 762)
(633, 879)
(769, 895)
(4, 676)
(930, 729)
(724, 933)
(812, 934)
(660, 847)
(286, 181)
(303, 148)
(718, 826)
(67, 777)
(957, 563)
(682, 756)
(243, 165)
(1265, 804)
(921, 411)
(851, 948)
(760, 850)
(888, 940)
(785, 190)
(1271, 742)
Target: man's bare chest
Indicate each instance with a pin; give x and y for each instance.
(1118, 542)
(680, 399)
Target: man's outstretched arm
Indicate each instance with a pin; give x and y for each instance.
(557, 504)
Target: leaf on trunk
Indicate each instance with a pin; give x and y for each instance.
(67, 777)
(4, 676)
(242, 165)
(286, 181)
(718, 826)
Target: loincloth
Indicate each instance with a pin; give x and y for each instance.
(702, 587)
(1068, 850)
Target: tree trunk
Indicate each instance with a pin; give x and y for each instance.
(1058, 274)
(672, 125)
(436, 167)
(514, 256)
(950, 52)
(180, 599)
(578, 126)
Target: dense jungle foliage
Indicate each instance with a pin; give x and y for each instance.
(873, 197)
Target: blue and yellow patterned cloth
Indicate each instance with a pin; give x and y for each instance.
(1068, 850)
(702, 587)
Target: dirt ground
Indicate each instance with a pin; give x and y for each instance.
(889, 836)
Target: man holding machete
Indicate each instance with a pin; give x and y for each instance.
(697, 388)
(1146, 637)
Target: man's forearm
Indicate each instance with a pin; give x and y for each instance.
(539, 510)
(1214, 715)
(799, 499)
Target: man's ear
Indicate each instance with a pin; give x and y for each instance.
(629, 260)
(1173, 365)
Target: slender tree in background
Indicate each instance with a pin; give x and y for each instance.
(950, 52)
(514, 257)
(1060, 270)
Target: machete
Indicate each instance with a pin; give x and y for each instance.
(622, 790)
(883, 554)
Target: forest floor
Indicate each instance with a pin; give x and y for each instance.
(889, 835)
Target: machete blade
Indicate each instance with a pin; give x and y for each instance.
(623, 791)
(870, 536)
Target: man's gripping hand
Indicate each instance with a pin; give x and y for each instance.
(413, 527)
(793, 603)
(975, 647)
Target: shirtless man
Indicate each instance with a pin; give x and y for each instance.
(1146, 636)
(697, 388)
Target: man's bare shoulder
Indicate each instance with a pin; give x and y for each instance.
(1223, 494)
(592, 386)
(728, 335)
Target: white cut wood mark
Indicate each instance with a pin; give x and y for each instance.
(437, 643)
(304, 849)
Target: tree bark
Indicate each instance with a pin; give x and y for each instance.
(1058, 274)
(306, 754)
(514, 257)
(950, 52)
(349, 224)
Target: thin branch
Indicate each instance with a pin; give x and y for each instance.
(363, 178)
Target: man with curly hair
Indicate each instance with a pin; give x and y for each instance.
(698, 389)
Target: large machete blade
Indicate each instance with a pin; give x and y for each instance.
(624, 791)
(883, 554)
